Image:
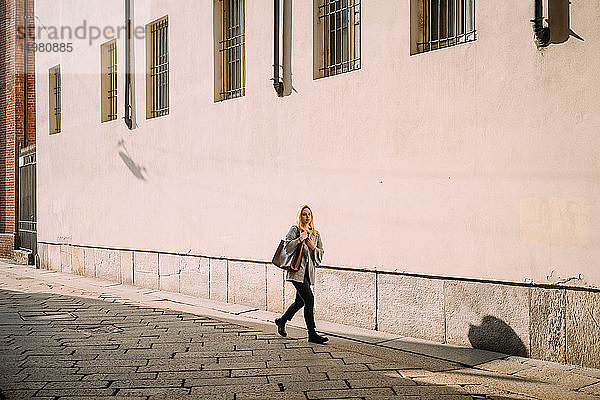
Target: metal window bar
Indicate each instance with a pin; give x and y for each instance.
(57, 98)
(446, 23)
(340, 23)
(232, 49)
(112, 75)
(159, 70)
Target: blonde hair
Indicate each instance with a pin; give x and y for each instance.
(311, 225)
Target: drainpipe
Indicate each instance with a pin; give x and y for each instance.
(541, 33)
(17, 159)
(277, 84)
(128, 81)
(287, 47)
(25, 77)
(132, 104)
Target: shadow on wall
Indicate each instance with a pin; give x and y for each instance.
(559, 21)
(137, 170)
(496, 335)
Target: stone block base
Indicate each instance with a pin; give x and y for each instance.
(24, 257)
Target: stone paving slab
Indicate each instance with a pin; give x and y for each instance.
(65, 336)
(301, 377)
(462, 355)
(536, 387)
(592, 389)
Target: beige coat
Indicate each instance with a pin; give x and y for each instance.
(310, 258)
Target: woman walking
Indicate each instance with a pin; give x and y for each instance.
(303, 234)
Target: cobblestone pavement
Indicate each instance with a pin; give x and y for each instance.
(65, 337)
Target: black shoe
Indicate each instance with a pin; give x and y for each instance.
(280, 326)
(313, 337)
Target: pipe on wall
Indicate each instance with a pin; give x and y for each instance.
(25, 71)
(132, 103)
(282, 87)
(541, 33)
(129, 85)
(277, 84)
(287, 47)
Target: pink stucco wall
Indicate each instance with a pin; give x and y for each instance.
(479, 160)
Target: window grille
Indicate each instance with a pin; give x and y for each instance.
(339, 23)
(112, 73)
(446, 23)
(159, 68)
(232, 49)
(109, 81)
(55, 100)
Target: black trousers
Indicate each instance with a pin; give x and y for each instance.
(304, 298)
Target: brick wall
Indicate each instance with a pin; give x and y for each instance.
(12, 111)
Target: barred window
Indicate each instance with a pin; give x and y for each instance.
(443, 23)
(54, 100)
(157, 70)
(338, 34)
(108, 81)
(230, 75)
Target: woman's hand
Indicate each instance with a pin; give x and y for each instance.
(303, 236)
(311, 243)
